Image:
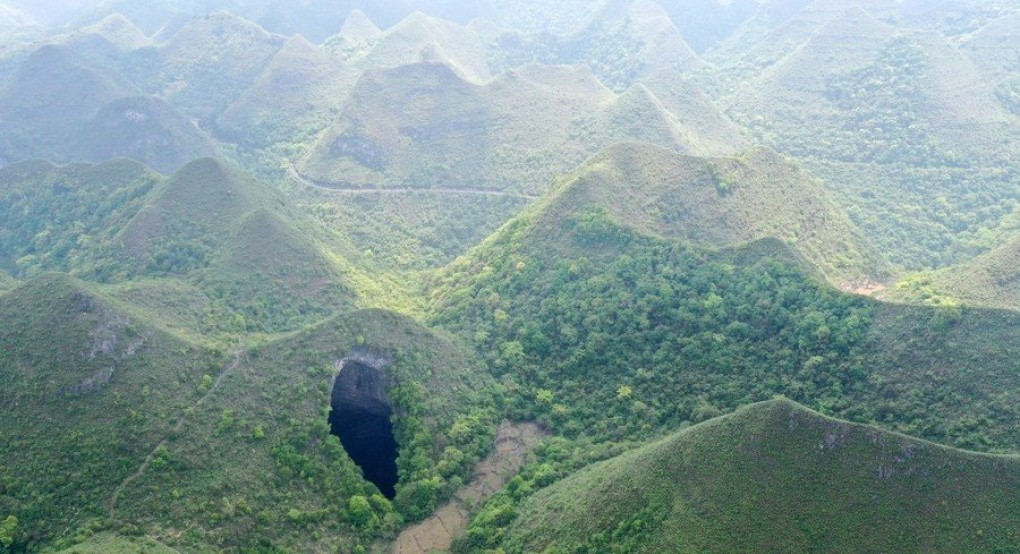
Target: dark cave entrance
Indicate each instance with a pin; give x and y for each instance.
(360, 417)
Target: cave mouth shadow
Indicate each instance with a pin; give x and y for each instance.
(360, 417)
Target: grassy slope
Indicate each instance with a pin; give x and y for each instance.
(235, 245)
(145, 129)
(989, 280)
(422, 126)
(408, 231)
(299, 500)
(47, 98)
(240, 241)
(959, 363)
(421, 38)
(990, 46)
(722, 202)
(798, 84)
(925, 217)
(111, 543)
(67, 102)
(777, 477)
(292, 98)
(551, 295)
(826, 99)
(212, 61)
(88, 391)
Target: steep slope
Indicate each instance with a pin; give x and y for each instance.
(622, 274)
(713, 132)
(990, 280)
(358, 28)
(661, 46)
(290, 99)
(892, 119)
(992, 46)
(263, 440)
(212, 61)
(706, 23)
(780, 478)
(421, 38)
(88, 393)
(228, 254)
(778, 28)
(120, 422)
(422, 126)
(241, 242)
(65, 218)
(620, 41)
(832, 98)
(62, 106)
(719, 203)
(145, 129)
(50, 94)
(109, 37)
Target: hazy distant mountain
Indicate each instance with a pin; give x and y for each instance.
(420, 126)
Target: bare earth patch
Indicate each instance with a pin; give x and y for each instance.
(513, 443)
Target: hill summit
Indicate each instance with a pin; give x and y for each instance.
(777, 477)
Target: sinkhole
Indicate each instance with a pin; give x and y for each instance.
(360, 417)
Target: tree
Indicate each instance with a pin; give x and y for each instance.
(360, 510)
(8, 533)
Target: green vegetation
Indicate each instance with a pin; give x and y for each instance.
(566, 288)
(761, 480)
(7, 282)
(65, 218)
(990, 280)
(90, 392)
(294, 487)
(557, 213)
(926, 218)
(110, 543)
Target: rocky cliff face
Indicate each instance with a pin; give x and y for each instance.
(361, 384)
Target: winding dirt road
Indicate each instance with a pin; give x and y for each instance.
(294, 174)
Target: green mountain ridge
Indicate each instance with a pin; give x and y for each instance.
(119, 386)
(300, 84)
(990, 280)
(109, 370)
(243, 242)
(438, 141)
(778, 477)
(720, 203)
(52, 91)
(211, 61)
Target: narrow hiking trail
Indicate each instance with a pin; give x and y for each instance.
(177, 429)
(293, 172)
(436, 534)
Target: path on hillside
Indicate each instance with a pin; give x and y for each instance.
(293, 172)
(513, 443)
(176, 430)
